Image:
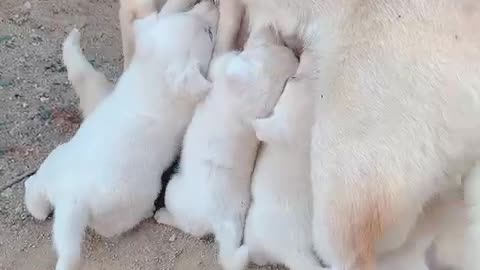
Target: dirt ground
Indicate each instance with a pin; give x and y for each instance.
(38, 110)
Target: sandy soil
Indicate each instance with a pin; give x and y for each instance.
(38, 110)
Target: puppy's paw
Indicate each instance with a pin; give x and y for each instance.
(162, 216)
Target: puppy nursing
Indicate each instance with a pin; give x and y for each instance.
(359, 156)
(107, 176)
(211, 192)
(278, 228)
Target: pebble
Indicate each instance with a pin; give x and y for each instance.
(44, 99)
(7, 193)
(27, 5)
(172, 238)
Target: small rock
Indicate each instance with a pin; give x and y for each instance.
(172, 238)
(44, 99)
(7, 193)
(27, 5)
(5, 38)
(24, 105)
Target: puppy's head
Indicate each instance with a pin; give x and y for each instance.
(255, 78)
(291, 120)
(178, 46)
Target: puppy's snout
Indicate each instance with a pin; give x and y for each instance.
(208, 11)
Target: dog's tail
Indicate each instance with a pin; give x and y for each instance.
(90, 85)
(472, 200)
(231, 255)
(36, 199)
(71, 220)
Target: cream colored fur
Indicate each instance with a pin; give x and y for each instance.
(443, 218)
(211, 192)
(278, 229)
(397, 116)
(107, 176)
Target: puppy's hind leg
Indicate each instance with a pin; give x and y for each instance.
(36, 200)
(162, 216)
(90, 85)
(231, 255)
(71, 220)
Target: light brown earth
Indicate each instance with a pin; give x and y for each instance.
(38, 110)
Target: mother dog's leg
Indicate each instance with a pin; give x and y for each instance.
(472, 200)
(175, 6)
(90, 85)
(131, 10)
(229, 24)
(362, 203)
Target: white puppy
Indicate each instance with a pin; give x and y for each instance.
(108, 176)
(279, 223)
(211, 192)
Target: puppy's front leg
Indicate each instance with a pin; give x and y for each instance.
(131, 10)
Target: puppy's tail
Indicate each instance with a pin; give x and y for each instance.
(231, 255)
(472, 200)
(71, 220)
(36, 199)
(90, 85)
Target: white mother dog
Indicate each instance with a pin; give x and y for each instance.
(108, 176)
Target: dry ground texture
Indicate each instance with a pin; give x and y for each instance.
(38, 110)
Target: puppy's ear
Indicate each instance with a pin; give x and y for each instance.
(267, 129)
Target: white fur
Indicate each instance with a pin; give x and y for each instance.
(278, 228)
(107, 176)
(91, 86)
(211, 192)
(229, 23)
